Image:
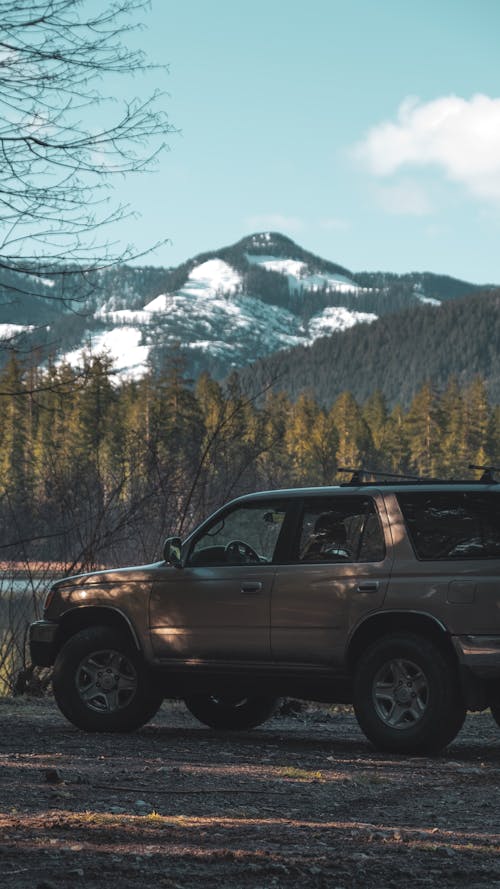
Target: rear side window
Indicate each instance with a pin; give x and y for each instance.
(340, 529)
(455, 525)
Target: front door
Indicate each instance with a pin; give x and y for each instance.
(217, 607)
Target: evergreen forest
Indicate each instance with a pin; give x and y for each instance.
(396, 353)
(94, 472)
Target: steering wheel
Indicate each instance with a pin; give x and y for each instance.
(336, 554)
(240, 552)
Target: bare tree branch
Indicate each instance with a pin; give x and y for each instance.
(56, 164)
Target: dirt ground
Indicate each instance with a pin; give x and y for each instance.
(302, 801)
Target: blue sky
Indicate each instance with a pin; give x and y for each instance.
(368, 131)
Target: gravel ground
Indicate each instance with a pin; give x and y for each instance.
(303, 801)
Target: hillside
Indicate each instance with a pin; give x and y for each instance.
(395, 354)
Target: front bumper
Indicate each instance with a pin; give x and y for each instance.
(42, 639)
(481, 654)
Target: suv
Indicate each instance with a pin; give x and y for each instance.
(385, 595)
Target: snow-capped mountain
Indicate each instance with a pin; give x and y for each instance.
(215, 312)
(226, 308)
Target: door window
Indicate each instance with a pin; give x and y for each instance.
(341, 529)
(248, 535)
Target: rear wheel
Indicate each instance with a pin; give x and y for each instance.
(231, 712)
(407, 696)
(101, 683)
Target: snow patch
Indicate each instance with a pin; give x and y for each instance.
(293, 267)
(7, 331)
(299, 275)
(210, 278)
(158, 304)
(122, 344)
(207, 281)
(428, 299)
(419, 292)
(216, 347)
(47, 282)
(335, 318)
(263, 238)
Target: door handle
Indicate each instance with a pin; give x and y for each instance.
(371, 586)
(253, 587)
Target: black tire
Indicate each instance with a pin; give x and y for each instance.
(407, 695)
(231, 712)
(101, 683)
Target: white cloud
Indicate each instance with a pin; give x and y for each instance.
(275, 222)
(460, 137)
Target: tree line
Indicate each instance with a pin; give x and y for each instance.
(93, 472)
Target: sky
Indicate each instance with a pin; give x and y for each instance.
(368, 131)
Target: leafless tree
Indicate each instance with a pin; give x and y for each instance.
(63, 137)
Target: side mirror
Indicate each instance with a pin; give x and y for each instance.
(172, 551)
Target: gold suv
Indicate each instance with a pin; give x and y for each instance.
(385, 595)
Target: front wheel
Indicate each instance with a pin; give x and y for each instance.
(101, 683)
(231, 712)
(407, 696)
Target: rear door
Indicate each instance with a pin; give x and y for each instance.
(338, 569)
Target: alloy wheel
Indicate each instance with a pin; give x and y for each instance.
(106, 681)
(400, 693)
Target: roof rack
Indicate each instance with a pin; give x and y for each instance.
(359, 474)
(363, 476)
(487, 476)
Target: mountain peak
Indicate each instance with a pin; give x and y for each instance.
(266, 242)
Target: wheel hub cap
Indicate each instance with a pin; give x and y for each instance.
(400, 693)
(108, 681)
(402, 696)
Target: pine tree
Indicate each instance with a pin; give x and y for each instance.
(273, 466)
(95, 399)
(299, 443)
(454, 448)
(355, 444)
(478, 422)
(15, 432)
(175, 427)
(396, 443)
(376, 415)
(424, 425)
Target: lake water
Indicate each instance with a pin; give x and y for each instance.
(21, 601)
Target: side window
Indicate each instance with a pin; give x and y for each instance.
(247, 535)
(340, 529)
(454, 525)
